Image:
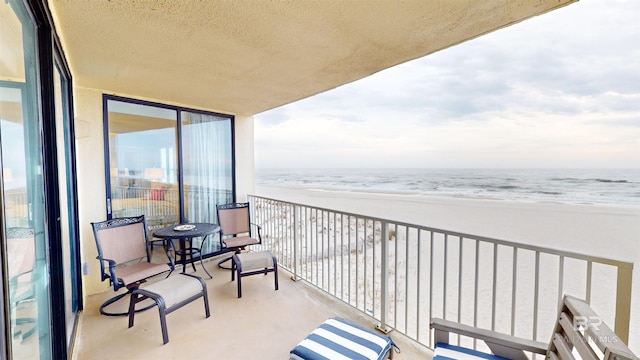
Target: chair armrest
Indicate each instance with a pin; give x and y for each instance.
(496, 341)
(13, 282)
(28, 272)
(111, 274)
(111, 263)
(259, 228)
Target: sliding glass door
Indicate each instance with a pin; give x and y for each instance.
(25, 241)
(38, 198)
(67, 201)
(171, 164)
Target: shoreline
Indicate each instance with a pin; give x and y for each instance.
(409, 193)
(506, 219)
(598, 230)
(609, 187)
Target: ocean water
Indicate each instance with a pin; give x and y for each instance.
(576, 186)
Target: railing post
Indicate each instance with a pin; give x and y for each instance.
(384, 279)
(623, 302)
(296, 238)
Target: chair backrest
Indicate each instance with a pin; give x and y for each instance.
(122, 239)
(579, 327)
(21, 251)
(234, 218)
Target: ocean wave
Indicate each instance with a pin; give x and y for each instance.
(550, 192)
(568, 179)
(610, 181)
(579, 186)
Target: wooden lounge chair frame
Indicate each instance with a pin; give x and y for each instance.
(578, 327)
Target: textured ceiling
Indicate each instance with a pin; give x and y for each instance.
(244, 57)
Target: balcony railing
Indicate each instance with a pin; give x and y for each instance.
(16, 208)
(403, 274)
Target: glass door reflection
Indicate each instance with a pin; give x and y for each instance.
(143, 162)
(66, 202)
(23, 209)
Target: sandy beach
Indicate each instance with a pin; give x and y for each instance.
(597, 230)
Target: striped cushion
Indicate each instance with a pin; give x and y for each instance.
(339, 339)
(447, 352)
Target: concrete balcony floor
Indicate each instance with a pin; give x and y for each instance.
(263, 324)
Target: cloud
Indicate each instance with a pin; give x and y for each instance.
(273, 117)
(559, 90)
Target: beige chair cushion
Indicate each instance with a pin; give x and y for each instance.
(239, 241)
(255, 260)
(138, 271)
(175, 288)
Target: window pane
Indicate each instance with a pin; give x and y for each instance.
(207, 167)
(143, 162)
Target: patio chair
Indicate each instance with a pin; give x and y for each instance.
(235, 229)
(125, 259)
(577, 330)
(21, 258)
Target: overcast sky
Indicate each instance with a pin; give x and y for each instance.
(561, 90)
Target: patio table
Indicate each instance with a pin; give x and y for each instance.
(184, 233)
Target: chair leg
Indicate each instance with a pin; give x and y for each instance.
(163, 319)
(275, 269)
(25, 321)
(206, 302)
(116, 298)
(29, 332)
(233, 268)
(238, 267)
(224, 261)
(132, 306)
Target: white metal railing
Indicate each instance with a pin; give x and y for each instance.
(152, 202)
(164, 203)
(403, 274)
(16, 207)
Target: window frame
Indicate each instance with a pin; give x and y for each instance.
(180, 176)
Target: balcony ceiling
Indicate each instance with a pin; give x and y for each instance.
(245, 57)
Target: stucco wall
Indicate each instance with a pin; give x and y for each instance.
(245, 177)
(91, 186)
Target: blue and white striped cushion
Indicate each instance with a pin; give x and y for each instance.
(337, 339)
(451, 352)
